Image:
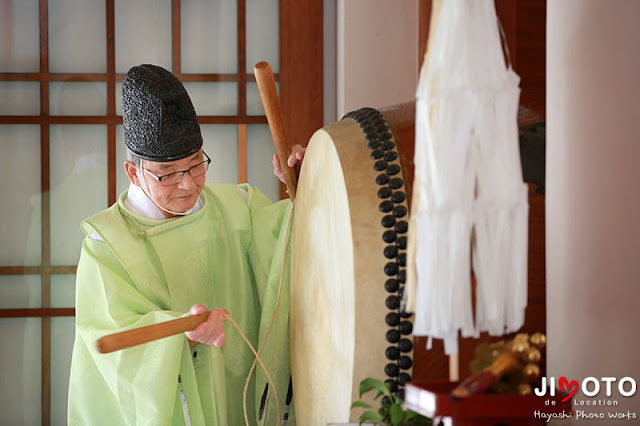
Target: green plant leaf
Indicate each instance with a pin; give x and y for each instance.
(371, 416)
(384, 390)
(368, 384)
(410, 415)
(397, 414)
(360, 404)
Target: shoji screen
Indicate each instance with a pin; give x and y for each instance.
(61, 149)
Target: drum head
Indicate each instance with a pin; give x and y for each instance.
(322, 299)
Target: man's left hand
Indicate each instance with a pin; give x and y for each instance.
(294, 160)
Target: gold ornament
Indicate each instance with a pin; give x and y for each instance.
(532, 355)
(524, 389)
(531, 372)
(512, 365)
(538, 340)
(520, 346)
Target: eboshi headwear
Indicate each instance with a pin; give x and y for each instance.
(160, 123)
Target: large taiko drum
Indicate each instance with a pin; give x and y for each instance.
(348, 268)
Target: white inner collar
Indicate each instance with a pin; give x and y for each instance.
(138, 203)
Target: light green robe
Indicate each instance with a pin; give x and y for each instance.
(229, 254)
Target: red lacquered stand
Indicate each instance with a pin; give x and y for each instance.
(433, 399)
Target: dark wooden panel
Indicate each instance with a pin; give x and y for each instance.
(301, 74)
(531, 64)
(532, 94)
(402, 119)
(536, 293)
(506, 10)
(531, 48)
(424, 13)
(429, 364)
(537, 259)
(535, 319)
(531, 25)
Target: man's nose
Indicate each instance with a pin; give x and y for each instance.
(187, 181)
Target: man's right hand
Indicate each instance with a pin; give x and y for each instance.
(210, 332)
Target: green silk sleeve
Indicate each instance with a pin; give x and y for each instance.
(270, 263)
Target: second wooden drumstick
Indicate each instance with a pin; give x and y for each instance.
(138, 336)
(273, 110)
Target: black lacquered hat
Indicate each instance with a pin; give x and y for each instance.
(160, 123)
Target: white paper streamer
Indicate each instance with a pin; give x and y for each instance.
(469, 193)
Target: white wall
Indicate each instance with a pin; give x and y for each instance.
(377, 53)
(593, 199)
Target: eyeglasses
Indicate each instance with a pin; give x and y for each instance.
(176, 177)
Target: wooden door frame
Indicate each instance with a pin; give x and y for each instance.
(301, 69)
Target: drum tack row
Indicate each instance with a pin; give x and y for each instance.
(393, 206)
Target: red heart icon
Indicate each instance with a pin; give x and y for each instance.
(566, 386)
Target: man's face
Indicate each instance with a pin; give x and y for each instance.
(179, 197)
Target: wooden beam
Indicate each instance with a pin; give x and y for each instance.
(176, 38)
(242, 59)
(206, 77)
(242, 153)
(37, 312)
(102, 119)
(111, 104)
(37, 270)
(45, 373)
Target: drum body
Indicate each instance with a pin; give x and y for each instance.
(347, 269)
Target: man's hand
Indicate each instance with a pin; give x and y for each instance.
(210, 332)
(294, 160)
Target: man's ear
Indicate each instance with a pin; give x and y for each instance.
(132, 171)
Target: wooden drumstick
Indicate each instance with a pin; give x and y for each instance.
(480, 382)
(271, 103)
(138, 336)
